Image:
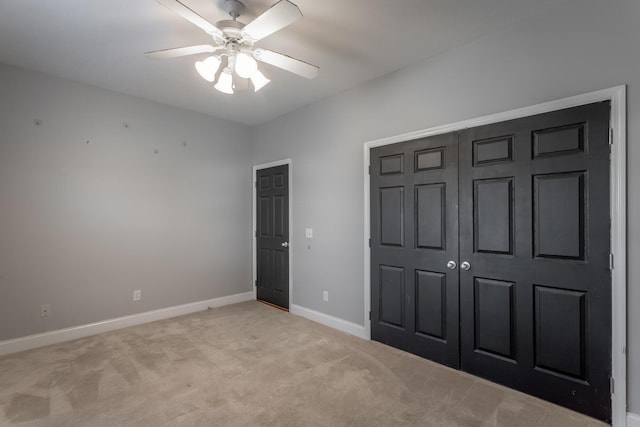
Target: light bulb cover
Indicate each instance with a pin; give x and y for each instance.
(245, 65)
(208, 68)
(225, 82)
(259, 80)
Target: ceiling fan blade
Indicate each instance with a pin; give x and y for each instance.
(287, 63)
(275, 18)
(182, 51)
(183, 10)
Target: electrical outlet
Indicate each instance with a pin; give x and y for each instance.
(137, 295)
(45, 309)
(325, 296)
(308, 233)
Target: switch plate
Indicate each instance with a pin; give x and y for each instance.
(308, 233)
(137, 295)
(325, 296)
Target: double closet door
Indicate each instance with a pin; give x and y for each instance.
(490, 253)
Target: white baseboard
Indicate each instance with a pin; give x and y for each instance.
(633, 420)
(330, 321)
(68, 334)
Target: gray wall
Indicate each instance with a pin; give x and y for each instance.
(580, 47)
(83, 225)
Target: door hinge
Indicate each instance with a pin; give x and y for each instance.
(610, 142)
(369, 314)
(369, 242)
(612, 383)
(611, 262)
(369, 169)
(610, 138)
(255, 283)
(255, 233)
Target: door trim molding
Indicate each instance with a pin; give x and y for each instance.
(618, 175)
(256, 168)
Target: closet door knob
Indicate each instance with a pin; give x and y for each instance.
(451, 265)
(465, 266)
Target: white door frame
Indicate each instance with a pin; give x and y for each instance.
(256, 168)
(618, 176)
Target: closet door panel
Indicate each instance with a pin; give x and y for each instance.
(414, 234)
(535, 303)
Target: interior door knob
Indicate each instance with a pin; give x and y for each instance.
(285, 244)
(451, 265)
(466, 266)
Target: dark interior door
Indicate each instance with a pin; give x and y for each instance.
(522, 209)
(272, 235)
(534, 230)
(414, 234)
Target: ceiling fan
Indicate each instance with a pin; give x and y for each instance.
(233, 49)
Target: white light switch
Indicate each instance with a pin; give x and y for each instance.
(308, 233)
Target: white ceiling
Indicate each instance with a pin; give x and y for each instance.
(101, 42)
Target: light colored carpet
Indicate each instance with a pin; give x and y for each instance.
(251, 365)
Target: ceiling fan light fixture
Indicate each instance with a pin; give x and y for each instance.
(259, 80)
(245, 65)
(234, 41)
(225, 82)
(208, 68)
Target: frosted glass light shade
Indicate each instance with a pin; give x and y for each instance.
(208, 68)
(259, 80)
(245, 65)
(225, 82)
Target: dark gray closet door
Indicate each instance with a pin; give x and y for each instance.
(528, 303)
(272, 235)
(535, 303)
(414, 234)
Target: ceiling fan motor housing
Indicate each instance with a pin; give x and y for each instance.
(231, 29)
